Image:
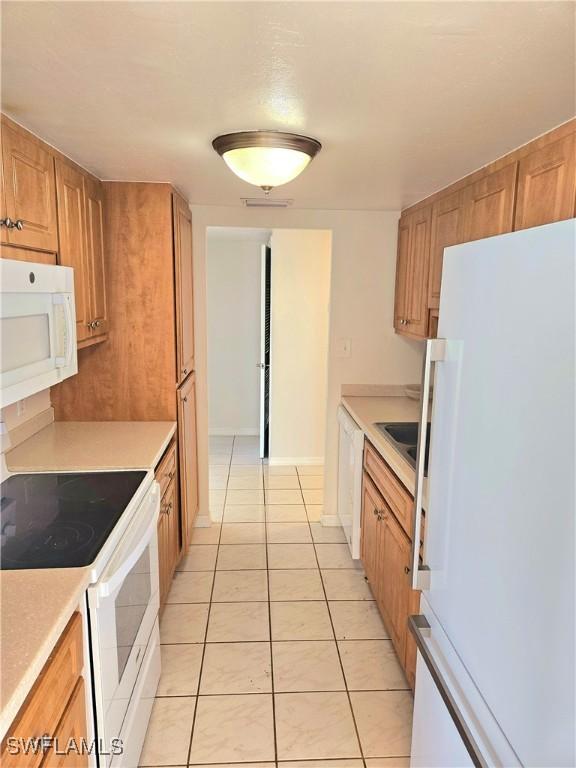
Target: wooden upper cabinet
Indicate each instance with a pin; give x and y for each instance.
(71, 228)
(80, 227)
(547, 184)
(411, 309)
(94, 217)
(489, 204)
(182, 223)
(29, 191)
(188, 457)
(401, 272)
(446, 230)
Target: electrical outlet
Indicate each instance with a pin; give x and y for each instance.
(20, 407)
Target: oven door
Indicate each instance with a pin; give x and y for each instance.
(123, 608)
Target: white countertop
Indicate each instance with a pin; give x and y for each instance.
(36, 605)
(367, 411)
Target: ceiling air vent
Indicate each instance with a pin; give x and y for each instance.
(265, 202)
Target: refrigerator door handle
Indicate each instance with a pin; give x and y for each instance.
(420, 629)
(435, 352)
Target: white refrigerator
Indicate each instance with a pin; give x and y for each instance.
(495, 680)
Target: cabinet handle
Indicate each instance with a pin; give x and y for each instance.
(9, 224)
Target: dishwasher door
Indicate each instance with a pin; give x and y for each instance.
(350, 458)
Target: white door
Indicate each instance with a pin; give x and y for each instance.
(500, 517)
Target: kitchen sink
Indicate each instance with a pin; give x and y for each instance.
(403, 435)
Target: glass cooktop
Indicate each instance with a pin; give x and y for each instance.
(58, 520)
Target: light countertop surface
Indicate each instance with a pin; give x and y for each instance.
(36, 605)
(366, 411)
(66, 446)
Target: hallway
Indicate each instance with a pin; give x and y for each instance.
(273, 651)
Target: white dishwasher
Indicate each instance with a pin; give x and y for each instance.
(350, 459)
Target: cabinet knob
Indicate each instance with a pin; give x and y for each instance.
(97, 323)
(19, 225)
(7, 222)
(184, 371)
(407, 569)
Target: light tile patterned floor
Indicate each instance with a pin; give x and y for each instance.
(273, 651)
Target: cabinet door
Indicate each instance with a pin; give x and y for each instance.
(416, 300)
(29, 191)
(401, 272)
(372, 505)
(547, 185)
(394, 599)
(72, 228)
(187, 451)
(182, 222)
(71, 730)
(163, 557)
(489, 205)
(94, 216)
(446, 230)
(412, 265)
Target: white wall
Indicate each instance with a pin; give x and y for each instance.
(233, 267)
(300, 299)
(362, 301)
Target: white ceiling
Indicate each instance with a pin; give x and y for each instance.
(405, 96)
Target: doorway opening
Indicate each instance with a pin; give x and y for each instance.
(268, 298)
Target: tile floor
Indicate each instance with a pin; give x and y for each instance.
(273, 651)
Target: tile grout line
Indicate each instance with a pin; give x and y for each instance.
(274, 735)
(208, 617)
(335, 640)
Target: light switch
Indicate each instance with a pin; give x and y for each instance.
(343, 347)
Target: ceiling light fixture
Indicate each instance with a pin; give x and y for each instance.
(266, 159)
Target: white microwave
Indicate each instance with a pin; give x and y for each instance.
(37, 328)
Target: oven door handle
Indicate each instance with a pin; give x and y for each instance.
(111, 582)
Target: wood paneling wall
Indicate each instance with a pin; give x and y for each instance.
(133, 375)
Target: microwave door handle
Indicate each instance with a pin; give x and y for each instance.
(109, 585)
(63, 299)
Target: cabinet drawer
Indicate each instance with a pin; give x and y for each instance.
(166, 469)
(394, 493)
(44, 706)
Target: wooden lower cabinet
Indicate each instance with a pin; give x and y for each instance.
(169, 522)
(385, 552)
(394, 593)
(188, 457)
(55, 707)
(69, 733)
(372, 505)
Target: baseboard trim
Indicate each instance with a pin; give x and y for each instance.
(230, 432)
(285, 461)
(330, 521)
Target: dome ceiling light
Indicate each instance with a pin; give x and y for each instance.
(266, 159)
